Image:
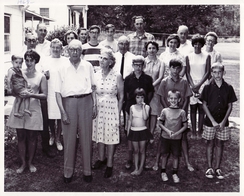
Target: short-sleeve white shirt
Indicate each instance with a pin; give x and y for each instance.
(72, 81)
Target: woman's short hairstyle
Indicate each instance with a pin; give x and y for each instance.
(139, 92)
(212, 34)
(70, 32)
(110, 54)
(153, 43)
(81, 29)
(173, 36)
(56, 41)
(16, 56)
(95, 27)
(33, 55)
(197, 38)
(174, 92)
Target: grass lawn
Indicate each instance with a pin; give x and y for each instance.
(48, 177)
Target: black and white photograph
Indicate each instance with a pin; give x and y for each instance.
(111, 97)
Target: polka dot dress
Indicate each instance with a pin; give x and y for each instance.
(106, 124)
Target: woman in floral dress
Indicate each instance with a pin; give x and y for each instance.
(110, 94)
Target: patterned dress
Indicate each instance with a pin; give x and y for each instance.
(106, 124)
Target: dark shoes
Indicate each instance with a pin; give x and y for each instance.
(87, 178)
(108, 172)
(99, 164)
(67, 180)
(48, 153)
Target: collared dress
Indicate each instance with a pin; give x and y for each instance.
(152, 69)
(106, 124)
(166, 56)
(215, 55)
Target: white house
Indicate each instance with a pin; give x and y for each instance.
(63, 15)
(18, 17)
(15, 17)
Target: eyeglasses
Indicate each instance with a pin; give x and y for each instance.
(74, 49)
(137, 65)
(94, 32)
(210, 41)
(31, 40)
(42, 30)
(103, 58)
(56, 48)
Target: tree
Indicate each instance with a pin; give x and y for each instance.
(223, 19)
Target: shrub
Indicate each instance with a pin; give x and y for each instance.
(59, 33)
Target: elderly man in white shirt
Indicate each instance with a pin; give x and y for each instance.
(123, 66)
(43, 45)
(185, 45)
(77, 104)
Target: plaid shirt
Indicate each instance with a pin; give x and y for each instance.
(137, 44)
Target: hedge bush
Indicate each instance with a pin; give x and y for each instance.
(59, 33)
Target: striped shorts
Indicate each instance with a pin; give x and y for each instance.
(209, 133)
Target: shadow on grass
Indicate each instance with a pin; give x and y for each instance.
(48, 177)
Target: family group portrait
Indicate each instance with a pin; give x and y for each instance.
(121, 98)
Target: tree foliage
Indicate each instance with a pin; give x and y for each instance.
(223, 19)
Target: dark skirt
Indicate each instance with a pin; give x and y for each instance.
(140, 135)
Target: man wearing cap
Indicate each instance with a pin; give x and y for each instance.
(137, 79)
(139, 38)
(77, 105)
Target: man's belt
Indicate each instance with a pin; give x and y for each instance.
(78, 96)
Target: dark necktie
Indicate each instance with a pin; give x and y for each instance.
(122, 65)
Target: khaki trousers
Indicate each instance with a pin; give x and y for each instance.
(79, 111)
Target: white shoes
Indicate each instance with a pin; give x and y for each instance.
(51, 141)
(175, 178)
(59, 146)
(164, 177)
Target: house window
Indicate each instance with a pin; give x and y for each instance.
(6, 33)
(45, 12)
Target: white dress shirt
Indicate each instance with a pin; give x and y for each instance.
(127, 63)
